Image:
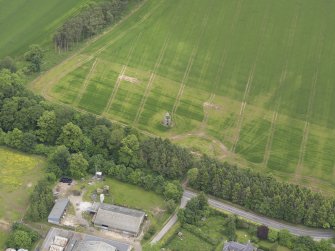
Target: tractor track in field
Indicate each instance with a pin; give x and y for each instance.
(151, 80)
(240, 119)
(303, 145)
(243, 105)
(304, 141)
(188, 68)
(86, 83)
(282, 78)
(212, 96)
(119, 79)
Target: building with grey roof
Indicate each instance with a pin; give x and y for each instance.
(58, 211)
(55, 241)
(121, 219)
(94, 246)
(235, 246)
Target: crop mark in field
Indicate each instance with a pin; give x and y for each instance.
(151, 80)
(212, 96)
(243, 105)
(306, 129)
(188, 68)
(120, 77)
(86, 82)
(249, 82)
(304, 141)
(289, 43)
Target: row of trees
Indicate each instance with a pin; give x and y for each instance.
(263, 193)
(89, 22)
(78, 143)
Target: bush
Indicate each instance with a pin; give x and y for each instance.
(171, 206)
(21, 237)
(285, 238)
(272, 235)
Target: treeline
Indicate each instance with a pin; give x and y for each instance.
(89, 22)
(263, 194)
(79, 143)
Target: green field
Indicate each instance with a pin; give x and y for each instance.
(246, 81)
(19, 173)
(23, 23)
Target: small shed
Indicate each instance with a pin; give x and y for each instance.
(58, 211)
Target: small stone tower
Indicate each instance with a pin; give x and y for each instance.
(167, 120)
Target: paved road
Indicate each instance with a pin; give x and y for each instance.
(170, 223)
(296, 230)
(316, 234)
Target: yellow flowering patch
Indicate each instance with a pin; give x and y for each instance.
(19, 172)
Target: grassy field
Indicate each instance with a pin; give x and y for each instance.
(23, 23)
(134, 197)
(247, 81)
(19, 173)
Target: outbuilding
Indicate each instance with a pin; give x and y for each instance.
(120, 219)
(58, 211)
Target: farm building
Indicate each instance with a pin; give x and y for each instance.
(119, 219)
(235, 246)
(65, 240)
(58, 211)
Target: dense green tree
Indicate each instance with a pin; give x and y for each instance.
(77, 165)
(192, 175)
(230, 228)
(129, 151)
(14, 138)
(35, 57)
(8, 63)
(47, 127)
(285, 238)
(28, 142)
(72, 137)
(41, 201)
(171, 191)
(19, 239)
(196, 209)
(60, 156)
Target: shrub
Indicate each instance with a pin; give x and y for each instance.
(272, 235)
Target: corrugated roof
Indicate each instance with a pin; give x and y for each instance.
(93, 246)
(58, 209)
(120, 218)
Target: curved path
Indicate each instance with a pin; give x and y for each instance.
(316, 234)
